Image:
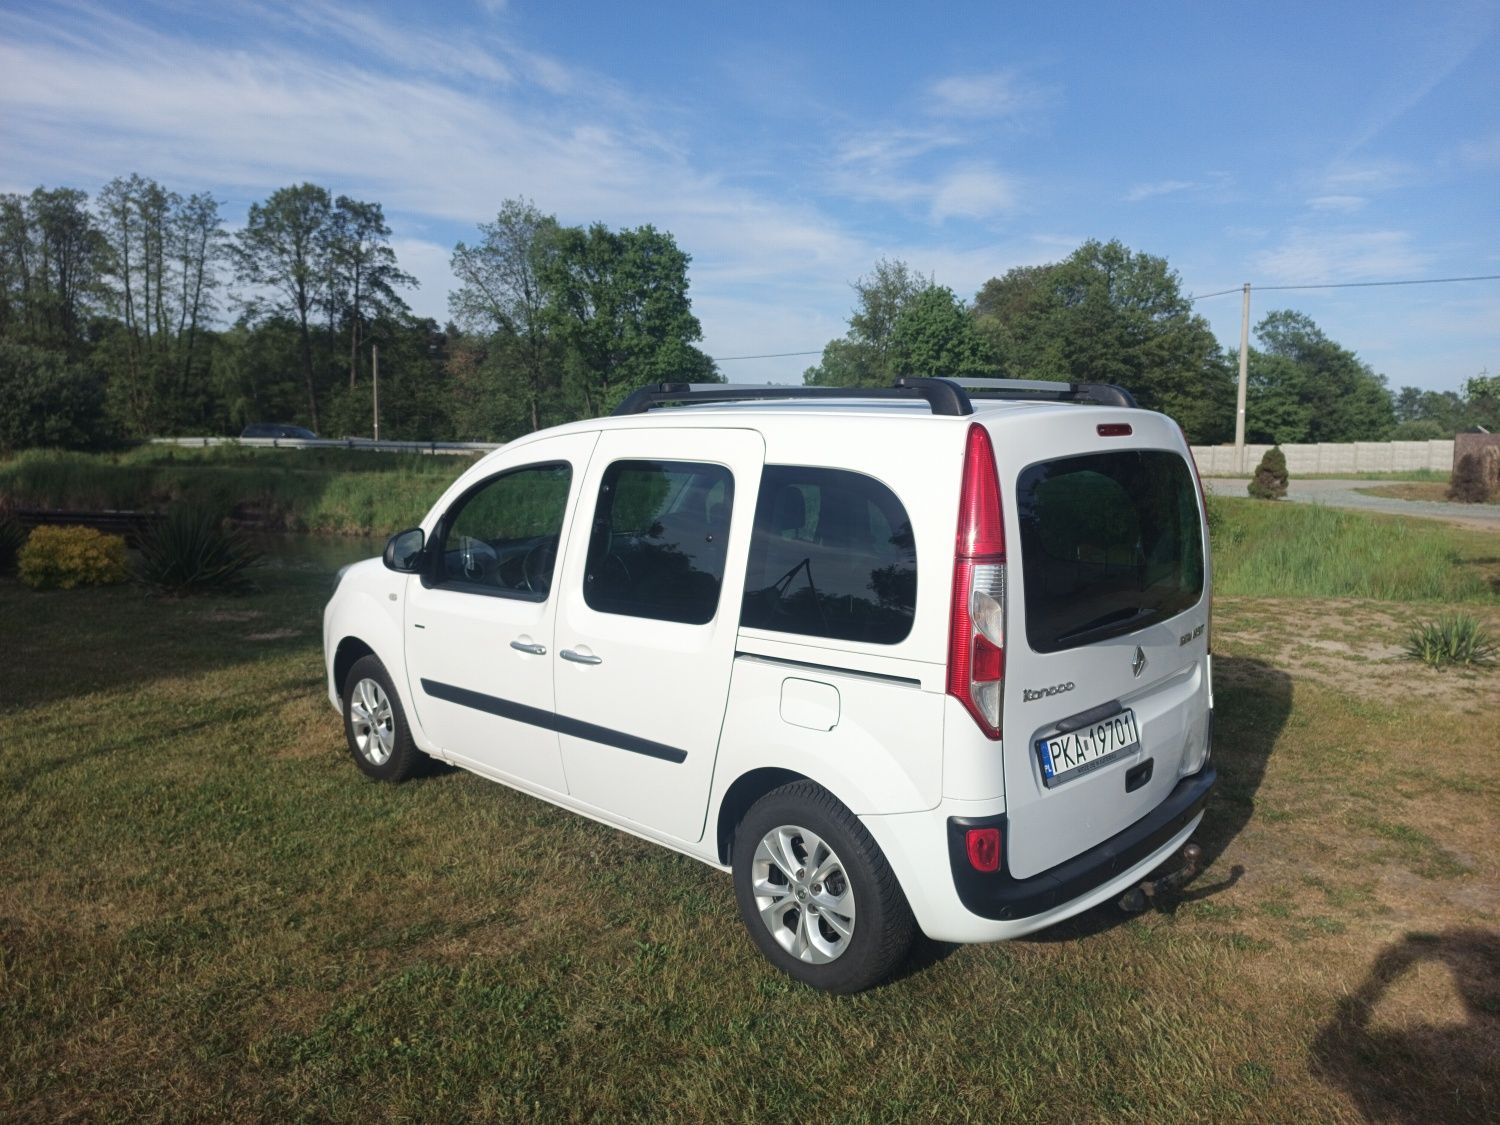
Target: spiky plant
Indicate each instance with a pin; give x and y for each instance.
(192, 549)
(1455, 639)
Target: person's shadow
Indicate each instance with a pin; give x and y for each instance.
(1422, 1072)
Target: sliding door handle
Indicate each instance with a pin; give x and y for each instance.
(528, 646)
(580, 657)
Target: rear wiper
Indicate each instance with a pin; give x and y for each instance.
(1116, 617)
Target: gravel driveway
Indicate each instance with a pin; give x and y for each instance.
(1342, 494)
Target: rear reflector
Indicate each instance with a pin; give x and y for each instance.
(1114, 429)
(983, 846)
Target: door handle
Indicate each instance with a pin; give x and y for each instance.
(580, 657)
(527, 646)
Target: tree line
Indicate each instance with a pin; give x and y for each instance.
(138, 314)
(1112, 315)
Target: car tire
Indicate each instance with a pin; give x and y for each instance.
(816, 893)
(375, 723)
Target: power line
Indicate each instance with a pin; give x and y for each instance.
(771, 355)
(1204, 297)
(1353, 284)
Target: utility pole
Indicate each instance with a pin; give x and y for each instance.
(375, 384)
(1239, 402)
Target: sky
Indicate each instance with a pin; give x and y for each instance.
(789, 146)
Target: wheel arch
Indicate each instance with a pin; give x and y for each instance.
(349, 651)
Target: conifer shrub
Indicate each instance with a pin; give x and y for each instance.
(64, 557)
(1469, 485)
(1269, 482)
(12, 539)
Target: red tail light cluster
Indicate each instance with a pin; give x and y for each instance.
(1208, 640)
(976, 629)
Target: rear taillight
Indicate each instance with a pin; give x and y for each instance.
(976, 627)
(983, 846)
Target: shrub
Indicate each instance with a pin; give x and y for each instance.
(193, 549)
(12, 537)
(1469, 485)
(65, 557)
(1269, 482)
(1456, 639)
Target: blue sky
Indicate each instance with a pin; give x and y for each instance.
(787, 146)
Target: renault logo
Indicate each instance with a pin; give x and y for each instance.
(1138, 665)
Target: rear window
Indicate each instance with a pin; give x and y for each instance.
(832, 555)
(1110, 543)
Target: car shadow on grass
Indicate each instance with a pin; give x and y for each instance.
(1252, 701)
(1416, 1069)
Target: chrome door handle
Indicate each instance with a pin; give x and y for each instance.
(580, 657)
(534, 649)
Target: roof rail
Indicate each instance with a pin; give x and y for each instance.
(1044, 390)
(948, 397)
(944, 396)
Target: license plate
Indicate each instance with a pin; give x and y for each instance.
(1066, 756)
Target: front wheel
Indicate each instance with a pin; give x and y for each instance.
(816, 893)
(375, 723)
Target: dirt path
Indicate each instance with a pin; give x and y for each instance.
(1343, 494)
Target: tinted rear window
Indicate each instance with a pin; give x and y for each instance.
(1110, 543)
(832, 555)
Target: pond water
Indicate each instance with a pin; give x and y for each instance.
(314, 553)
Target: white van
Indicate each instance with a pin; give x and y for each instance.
(933, 655)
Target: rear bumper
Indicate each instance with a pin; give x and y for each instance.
(1000, 897)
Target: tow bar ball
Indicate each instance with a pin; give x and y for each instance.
(1139, 898)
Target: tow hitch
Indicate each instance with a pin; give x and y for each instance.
(1139, 898)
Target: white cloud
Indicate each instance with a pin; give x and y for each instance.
(1314, 257)
(1343, 203)
(1159, 188)
(998, 94)
(974, 192)
(1483, 151)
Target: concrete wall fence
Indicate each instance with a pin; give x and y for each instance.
(1332, 457)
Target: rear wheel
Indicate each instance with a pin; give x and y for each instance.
(816, 893)
(375, 723)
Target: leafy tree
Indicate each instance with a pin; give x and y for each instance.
(1108, 314)
(500, 292)
(863, 356)
(362, 272)
(282, 249)
(51, 253)
(1305, 388)
(1483, 392)
(46, 401)
(617, 304)
(933, 335)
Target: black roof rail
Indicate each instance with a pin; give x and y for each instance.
(947, 397)
(1044, 390)
(944, 396)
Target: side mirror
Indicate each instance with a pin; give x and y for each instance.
(403, 551)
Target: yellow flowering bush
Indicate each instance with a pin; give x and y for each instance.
(64, 557)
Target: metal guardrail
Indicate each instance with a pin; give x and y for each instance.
(368, 444)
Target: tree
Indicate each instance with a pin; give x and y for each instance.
(362, 270)
(46, 401)
(934, 335)
(617, 304)
(500, 292)
(1110, 315)
(51, 254)
(283, 248)
(863, 355)
(1303, 387)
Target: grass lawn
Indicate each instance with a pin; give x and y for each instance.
(1417, 490)
(207, 912)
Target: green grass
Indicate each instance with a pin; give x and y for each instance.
(206, 912)
(1284, 550)
(338, 491)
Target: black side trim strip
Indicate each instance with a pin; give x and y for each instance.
(906, 681)
(1001, 896)
(549, 720)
